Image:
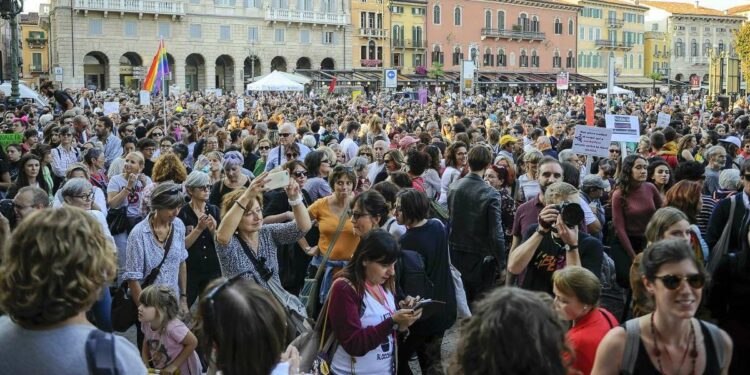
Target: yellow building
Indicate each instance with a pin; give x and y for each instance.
(656, 51)
(408, 41)
(34, 50)
(370, 39)
(611, 28)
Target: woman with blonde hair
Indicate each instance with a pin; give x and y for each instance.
(47, 283)
(528, 186)
(577, 292)
(376, 129)
(685, 148)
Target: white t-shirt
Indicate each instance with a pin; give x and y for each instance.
(350, 148)
(379, 360)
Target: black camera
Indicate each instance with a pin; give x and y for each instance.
(6, 209)
(572, 213)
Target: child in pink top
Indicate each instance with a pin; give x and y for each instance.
(168, 344)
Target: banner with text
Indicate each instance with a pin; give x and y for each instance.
(592, 141)
(624, 128)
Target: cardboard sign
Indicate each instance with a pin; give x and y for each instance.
(240, 106)
(9, 139)
(624, 128)
(588, 103)
(144, 97)
(111, 107)
(663, 120)
(563, 78)
(592, 141)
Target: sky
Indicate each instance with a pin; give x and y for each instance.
(33, 5)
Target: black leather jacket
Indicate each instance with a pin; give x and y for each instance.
(476, 223)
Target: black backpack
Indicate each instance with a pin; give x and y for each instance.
(412, 275)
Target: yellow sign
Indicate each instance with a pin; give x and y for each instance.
(355, 94)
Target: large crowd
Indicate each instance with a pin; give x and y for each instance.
(274, 233)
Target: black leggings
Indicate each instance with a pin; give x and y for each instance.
(623, 260)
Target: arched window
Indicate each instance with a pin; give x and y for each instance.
(487, 19)
(371, 50)
(488, 58)
(523, 60)
(581, 60)
(694, 48)
(556, 59)
(457, 55)
(721, 46)
(436, 14)
(593, 60)
(534, 23)
(457, 16)
(474, 54)
(534, 59)
(571, 27)
(523, 21)
(558, 27)
(501, 58)
(570, 62)
(706, 46)
(437, 55)
(501, 20)
(679, 48)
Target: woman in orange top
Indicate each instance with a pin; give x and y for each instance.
(326, 212)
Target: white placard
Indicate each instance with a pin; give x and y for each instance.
(624, 128)
(663, 120)
(589, 140)
(58, 71)
(111, 107)
(218, 93)
(240, 106)
(144, 97)
(391, 78)
(563, 78)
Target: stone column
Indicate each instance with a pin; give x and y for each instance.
(210, 77)
(179, 74)
(113, 76)
(239, 77)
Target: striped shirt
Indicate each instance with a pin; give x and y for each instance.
(706, 209)
(62, 158)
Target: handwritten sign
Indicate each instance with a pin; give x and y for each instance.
(144, 97)
(663, 120)
(240, 106)
(111, 107)
(624, 128)
(9, 139)
(592, 141)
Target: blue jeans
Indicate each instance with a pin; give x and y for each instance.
(102, 311)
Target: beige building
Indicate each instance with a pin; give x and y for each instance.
(210, 43)
(34, 50)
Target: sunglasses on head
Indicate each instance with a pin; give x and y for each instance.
(672, 282)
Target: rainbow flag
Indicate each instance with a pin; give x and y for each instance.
(159, 68)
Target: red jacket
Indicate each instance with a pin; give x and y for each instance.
(585, 336)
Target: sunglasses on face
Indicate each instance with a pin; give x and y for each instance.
(299, 174)
(358, 215)
(204, 188)
(284, 135)
(672, 282)
(292, 155)
(263, 148)
(615, 151)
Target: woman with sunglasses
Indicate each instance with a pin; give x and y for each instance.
(362, 310)
(245, 245)
(201, 220)
(671, 340)
(318, 167)
(233, 178)
(264, 146)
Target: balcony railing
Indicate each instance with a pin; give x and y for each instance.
(613, 44)
(416, 43)
(36, 68)
(369, 32)
(304, 16)
(131, 6)
(512, 34)
(615, 23)
(398, 43)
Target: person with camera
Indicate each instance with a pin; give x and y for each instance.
(556, 241)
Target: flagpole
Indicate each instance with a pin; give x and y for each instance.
(163, 89)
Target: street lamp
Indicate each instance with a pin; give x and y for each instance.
(9, 9)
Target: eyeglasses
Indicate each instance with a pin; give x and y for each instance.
(157, 134)
(299, 174)
(18, 206)
(292, 155)
(284, 135)
(357, 215)
(204, 188)
(672, 282)
(86, 197)
(263, 148)
(615, 151)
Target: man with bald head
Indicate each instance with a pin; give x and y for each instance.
(28, 200)
(373, 169)
(287, 136)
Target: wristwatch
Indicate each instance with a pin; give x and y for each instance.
(571, 248)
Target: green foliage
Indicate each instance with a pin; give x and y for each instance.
(742, 47)
(436, 71)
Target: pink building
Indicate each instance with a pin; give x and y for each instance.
(509, 36)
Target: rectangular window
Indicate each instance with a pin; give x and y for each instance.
(327, 37)
(95, 27)
(36, 60)
(597, 33)
(196, 32)
(581, 32)
(655, 27)
(225, 32)
(278, 35)
(397, 9)
(131, 29)
(252, 33)
(195, 2)
(225, 3)
(165, 30)
(363, 52)
(304, 36)
(418, 11)
(591, 33)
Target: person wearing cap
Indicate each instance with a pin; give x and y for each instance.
(732, 145)
(507, 145)
(407, 143)
(592, 190)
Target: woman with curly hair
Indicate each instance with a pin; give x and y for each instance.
(47, 283)
(489, 344)
(634, 201)
(168, 167)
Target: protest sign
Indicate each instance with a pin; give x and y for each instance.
(592, 141)
(144, 97)
(663, 120)
(9, 139)
(240, 106)
(624, 128)
(111, 107)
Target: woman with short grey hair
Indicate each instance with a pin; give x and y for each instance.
(200, 219)
(79, 192)
(233, 177)
(159, 236)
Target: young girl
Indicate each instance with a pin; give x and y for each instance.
(168, 344)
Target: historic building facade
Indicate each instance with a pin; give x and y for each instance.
(34, 49)
(523, 36)
(408, 34)
(210, 44)
(371, 47)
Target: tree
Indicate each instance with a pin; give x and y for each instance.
(742, 47)
(436, 72)
(656, 76)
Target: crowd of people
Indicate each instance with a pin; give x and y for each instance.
(397, 224)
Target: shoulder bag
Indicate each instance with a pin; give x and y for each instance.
(124, 309)
(296, 315)
(310, 294)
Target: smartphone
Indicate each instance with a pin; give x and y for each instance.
(426, 302)
(278, 179)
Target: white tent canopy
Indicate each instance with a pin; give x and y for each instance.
(616, 90)
(25, 92)
(294, 77)
(275, 81)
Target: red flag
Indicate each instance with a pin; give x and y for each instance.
(588, 103)
(332, 86)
